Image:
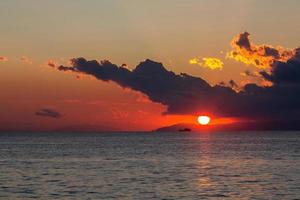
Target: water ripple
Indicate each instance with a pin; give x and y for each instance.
(150, 166)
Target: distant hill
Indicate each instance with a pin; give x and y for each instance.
(240, 126)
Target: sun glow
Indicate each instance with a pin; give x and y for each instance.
(203, 120)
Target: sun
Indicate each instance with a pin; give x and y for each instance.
(203, 120)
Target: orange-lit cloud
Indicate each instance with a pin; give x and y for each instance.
(261, 56)
(25, 60)
(51, 63)
(251, 74)
(3, 59)
(211, 63)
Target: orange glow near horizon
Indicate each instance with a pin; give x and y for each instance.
(168, 120)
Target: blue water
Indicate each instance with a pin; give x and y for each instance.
(244, 165)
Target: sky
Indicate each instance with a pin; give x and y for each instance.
(200, 38)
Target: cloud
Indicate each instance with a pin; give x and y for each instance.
(261, 56)
(195, 61)
(26, 60)
(233, 84)
(51, 63)
(46, 112)
(254, 74)
(285, 73)
(185, 94)
(3, 59)
(211, 63)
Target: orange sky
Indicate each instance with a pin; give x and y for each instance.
(171, 32)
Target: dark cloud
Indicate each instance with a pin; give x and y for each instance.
(46, 112)
(250, 74)
(233, 84)
(51, 63)
(185, 94)
(243, 41)
(285, 72)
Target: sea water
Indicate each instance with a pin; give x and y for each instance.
(237, 165)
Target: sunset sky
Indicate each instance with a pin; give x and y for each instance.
(43, 89)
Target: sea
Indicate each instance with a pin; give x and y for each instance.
(222, 165)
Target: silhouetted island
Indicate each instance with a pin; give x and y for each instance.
(238, 126)
(185, 130)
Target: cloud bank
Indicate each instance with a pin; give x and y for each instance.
(185, 94)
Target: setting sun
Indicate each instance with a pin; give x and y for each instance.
(203, 120)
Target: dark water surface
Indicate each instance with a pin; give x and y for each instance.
(248, 165)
